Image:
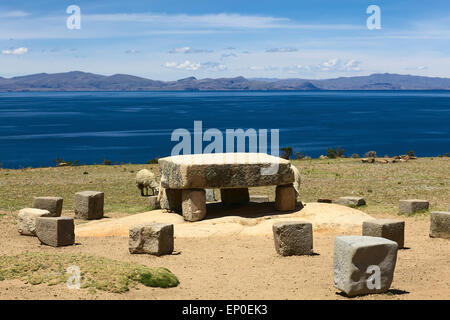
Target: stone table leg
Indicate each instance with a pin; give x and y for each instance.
(194, 204)
(232, 196)
(285, 198)
(171, 200)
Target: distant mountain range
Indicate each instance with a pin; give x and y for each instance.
(82, 81)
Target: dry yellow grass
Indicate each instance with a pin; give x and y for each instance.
(382, 185)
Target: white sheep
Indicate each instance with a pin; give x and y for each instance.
(145, 179)
(297, 179)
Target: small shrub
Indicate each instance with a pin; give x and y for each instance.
(370, 154)
(106, 162)
(299, 156)
(410, 153)
(153, 161)
(333, 154)
(286, 153)
(355, 156)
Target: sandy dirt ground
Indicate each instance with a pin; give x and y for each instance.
(243, 265)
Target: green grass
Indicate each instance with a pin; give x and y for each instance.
(97, 273)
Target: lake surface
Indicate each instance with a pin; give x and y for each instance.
(37, 128)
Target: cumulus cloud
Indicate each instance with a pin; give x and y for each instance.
(187, 65)
(188, 50)
(331, 65)
(15, 52)
(213, 66)
(193, 66)
(285, 49)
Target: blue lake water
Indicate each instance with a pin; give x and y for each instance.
(37, 128)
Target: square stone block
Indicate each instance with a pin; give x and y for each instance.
(293, 238)
(151, 238)
(55, 231)
(385, 228)
(413, 205)
(351, 201)
(89, 205)
(364, 265)
(285, 198)
(52, 204)
(440, 224)
(193, 204)
(27, 220)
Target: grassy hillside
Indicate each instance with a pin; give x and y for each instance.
(382, 185)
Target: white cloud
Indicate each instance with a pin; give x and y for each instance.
(187, 65)
(14, 14)
(213, 66)
(16, 52)
(188, 50)
(131, 51)
(331, 65)
(352, 65)
(193, 66)
(285, 49)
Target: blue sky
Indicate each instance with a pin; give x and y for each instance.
(173, 39)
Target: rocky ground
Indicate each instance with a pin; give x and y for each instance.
(241, 265)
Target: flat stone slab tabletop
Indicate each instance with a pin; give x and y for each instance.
(224, 170)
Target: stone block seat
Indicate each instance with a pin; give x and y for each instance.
(185, 177)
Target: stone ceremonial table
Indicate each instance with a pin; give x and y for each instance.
(184, 179)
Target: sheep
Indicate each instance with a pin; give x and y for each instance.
(145, 179)
(297, 179)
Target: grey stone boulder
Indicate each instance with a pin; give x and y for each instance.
(26, 220)
(351, 201)
(52, 204)
(55, 231)
(89, 205)
(293, 238)
(385, 228)
(440, 224)
(357, 260)
(193, 204)
(151, 238)
(413, 205)
(285, 198)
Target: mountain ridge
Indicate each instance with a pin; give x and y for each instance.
(85, 81)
